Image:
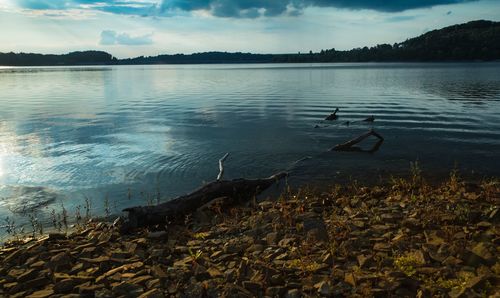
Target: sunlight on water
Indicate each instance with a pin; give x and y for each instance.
(71, 132)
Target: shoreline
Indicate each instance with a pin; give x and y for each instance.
(403, 239)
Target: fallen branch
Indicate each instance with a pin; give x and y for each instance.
(349, 145)
(221, 166)
(238, 190)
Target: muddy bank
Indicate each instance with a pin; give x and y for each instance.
(403, 239)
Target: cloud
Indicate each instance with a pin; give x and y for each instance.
(395, 19)
(229, 8)
(256, 8)
(111, 37)
(125, 7)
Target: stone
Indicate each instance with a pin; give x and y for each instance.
(482, 251)
(65, 286)
(154, 293)
(153, 283)
(230, 274)
(41, 294)
(157, 235)
(364, 260)
(324, 288)
(275, 291)
(127, 289)
(315, 229)
(380, 246)
(255, 248)
(57, 236)
(88, 290)
(60, 260)
(293, 293)
(36, 283)
(214, 272)
(141, 280)
(350, 279)
(272, 238)
(254, 287)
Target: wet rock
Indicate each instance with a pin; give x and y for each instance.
(158, 235)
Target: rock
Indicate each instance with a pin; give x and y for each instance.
(255, 248)
(293, 293)
(275, 291)
(364, 260)
(471, 259)
(324, 288)
(88, 290)
(154, 293)
(57, 236)
(36, 283)
(381, 246)
(41, 294)
(103, 293)
(215, 273)
(285, 242)
(434, 237)
(482, 251)
(157, 235)
(272, 238)
(127, 289)
(350, 279)
(153, 283)
(315, 229)
(254, 287)
(141, 280)
(62, 259)
(65, 286)
(157, 253)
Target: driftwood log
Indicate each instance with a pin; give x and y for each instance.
(349, 145)
(238, 190)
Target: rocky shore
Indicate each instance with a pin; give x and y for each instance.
(403, 239)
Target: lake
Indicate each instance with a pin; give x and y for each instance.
(126, 135)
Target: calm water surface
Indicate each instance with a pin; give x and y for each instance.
(131, 132)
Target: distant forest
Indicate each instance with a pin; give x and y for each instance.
(472, 41)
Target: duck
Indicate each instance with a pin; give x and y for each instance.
(333, 115)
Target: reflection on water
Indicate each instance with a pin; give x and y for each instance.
(130, 132)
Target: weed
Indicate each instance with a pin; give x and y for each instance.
(107, 209)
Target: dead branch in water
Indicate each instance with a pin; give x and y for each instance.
(349, 145)
(221, 166)
(233, 191)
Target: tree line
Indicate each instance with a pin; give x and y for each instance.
(476, 40)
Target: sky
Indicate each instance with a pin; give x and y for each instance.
(130, 28)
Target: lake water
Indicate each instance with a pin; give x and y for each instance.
(130, 132)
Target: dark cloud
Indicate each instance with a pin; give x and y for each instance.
(232, 8)
(110, 37)
(255, 8)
